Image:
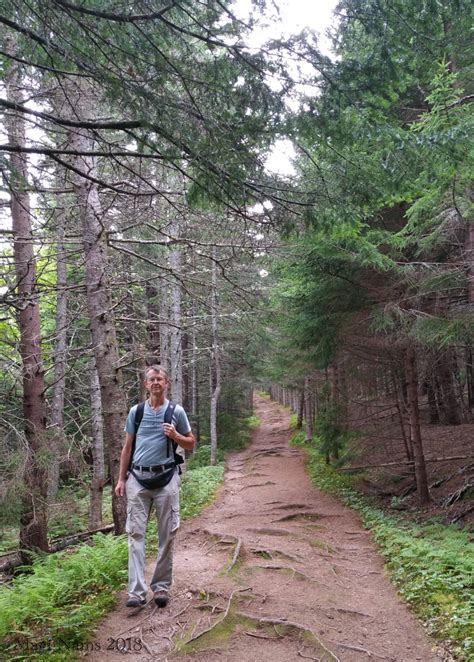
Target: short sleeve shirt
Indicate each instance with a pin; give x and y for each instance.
(151, 443)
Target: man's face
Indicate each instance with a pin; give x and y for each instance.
(156, 382)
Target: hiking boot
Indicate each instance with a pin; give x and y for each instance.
(161, 598)
(135, 602)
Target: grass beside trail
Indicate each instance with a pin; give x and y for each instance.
(432, 565)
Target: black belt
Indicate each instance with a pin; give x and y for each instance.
(157, 468)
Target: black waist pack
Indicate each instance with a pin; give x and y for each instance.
(157, 481)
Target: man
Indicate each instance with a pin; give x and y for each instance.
(152, 462)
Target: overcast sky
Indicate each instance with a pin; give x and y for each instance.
(292, 17)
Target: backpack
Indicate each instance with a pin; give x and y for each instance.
(164, 478)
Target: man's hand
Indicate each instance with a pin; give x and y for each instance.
(186, 441)
(120, 488)
(170, 431)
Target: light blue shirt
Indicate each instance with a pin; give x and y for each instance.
(151, 443)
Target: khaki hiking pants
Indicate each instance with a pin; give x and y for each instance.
(139, 504)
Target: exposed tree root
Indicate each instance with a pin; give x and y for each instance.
(294, 571)
(299, 516)
(290, 625)
(247, 487)
(270, 554)
(235, 558)
(262, 636)
(300, 652)
(272, 532)
(274, 450)
(359, 649)
(219, 620)
(343, 610)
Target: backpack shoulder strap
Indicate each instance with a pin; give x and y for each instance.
(139, 415)
(138, 419)
(168, 418)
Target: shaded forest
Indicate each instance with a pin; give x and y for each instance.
(140, 225)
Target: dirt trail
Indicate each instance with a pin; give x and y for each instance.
(306, 582)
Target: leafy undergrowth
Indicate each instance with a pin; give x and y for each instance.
(68, 514)
(49, 611)
(48, 614)
(431, 565)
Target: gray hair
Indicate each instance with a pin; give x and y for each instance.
(157, 368)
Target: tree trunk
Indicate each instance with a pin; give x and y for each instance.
(98, 468)
(186, 387)
(195, 376)
(413, 408)
(469, 251)
(164, 294)
(450, 405)
(299, 420)
(176, 366)
(432, 404)
(60, 352)
(152, 324)
(33, 531)
(216, 364)
(308, 406)
(469, 380)
(99, 298)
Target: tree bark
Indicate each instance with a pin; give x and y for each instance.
(33, 531)
(413, 408)
(98, 465)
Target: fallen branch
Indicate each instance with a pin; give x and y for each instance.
(407, 462)
(55, 545)
(446, 479)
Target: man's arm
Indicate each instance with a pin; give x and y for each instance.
(124, 462)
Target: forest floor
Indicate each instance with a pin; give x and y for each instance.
(273, 571)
